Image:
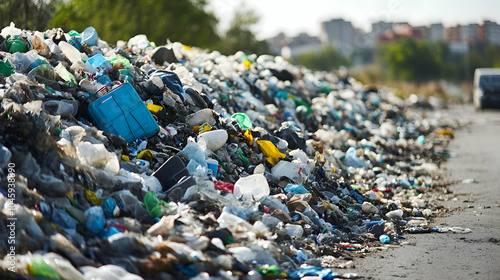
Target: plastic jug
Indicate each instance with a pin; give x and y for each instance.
(123, 113)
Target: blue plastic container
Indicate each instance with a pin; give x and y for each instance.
(76, 42)
(123, 113)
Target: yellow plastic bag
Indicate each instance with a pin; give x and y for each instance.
(271, 153)
(92, 197)
(154, 108)
(125, 158)
(145, 154)
(248, 136)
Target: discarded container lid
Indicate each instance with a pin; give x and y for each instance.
(384, 238)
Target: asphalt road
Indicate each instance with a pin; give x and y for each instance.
(475, 255)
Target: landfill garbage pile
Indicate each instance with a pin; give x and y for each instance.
(133, 161)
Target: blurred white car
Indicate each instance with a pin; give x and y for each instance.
(486, 88)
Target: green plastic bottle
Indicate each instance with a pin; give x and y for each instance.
(269, 270)
(40, 268)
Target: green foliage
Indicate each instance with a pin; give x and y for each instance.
(411, 60)
(418, 61)
(327, 60)
(184, 21)
(239, 36)
(27, 14)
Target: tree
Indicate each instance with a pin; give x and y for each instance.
(240, 37)
(184, 21)
(27, 14)
(327, 60)
(411, 60)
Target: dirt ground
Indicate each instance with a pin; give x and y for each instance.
(476, 206)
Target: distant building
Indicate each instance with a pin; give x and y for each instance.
(380, 27)
(436, 32)
(303, 43)
(290, 47)
(348, 40)
(452, 34)
(491, 32)
(419, 32)
(469, 33)
(277, 42)
(402, 29)
(304, 39)
(339, 34)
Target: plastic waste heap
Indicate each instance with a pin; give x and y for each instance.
(128, 160)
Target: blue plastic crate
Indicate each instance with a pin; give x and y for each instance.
(123, 113)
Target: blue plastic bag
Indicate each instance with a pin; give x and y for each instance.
(110, 207)
(324, 273)
(351, 159)
(295, 189)
(170, 80)
(95, 219)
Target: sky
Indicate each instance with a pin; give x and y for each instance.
(295, 16)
